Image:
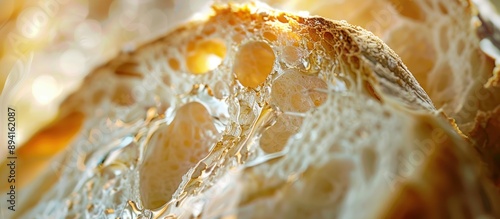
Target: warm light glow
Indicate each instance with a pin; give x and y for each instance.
(45, 89)
(72, 62)
(213, 61)
(89, 33)
(303, 13)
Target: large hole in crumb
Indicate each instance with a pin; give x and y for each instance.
(254, 62)
(174, 64)
(123, 96)
(130, 69)
(409, 9)
(324, 186)
(205, 55)
(173, 151)
(292, 92)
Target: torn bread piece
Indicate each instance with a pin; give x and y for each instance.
(257, 113)
(448, 45)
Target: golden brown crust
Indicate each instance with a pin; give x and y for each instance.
(359, 49)
(384, 66)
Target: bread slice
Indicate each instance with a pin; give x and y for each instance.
(438, 40)
(257, 113)
(443, 44)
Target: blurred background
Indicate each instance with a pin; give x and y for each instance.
(48, 46)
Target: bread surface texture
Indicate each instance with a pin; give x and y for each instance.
(258, 113)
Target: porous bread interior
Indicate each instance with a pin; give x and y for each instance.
(174, 149)
(438, 41)
(342, 150)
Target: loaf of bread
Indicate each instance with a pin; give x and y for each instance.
(257, 113)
